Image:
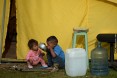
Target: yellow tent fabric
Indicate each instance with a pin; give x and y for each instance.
(101, 19)
(39, 19)
(1, 9)
(4, 19)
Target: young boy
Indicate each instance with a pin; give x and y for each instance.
(55, 54)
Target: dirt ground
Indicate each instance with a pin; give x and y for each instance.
(13, 66)
(20, 70)
(21, 67)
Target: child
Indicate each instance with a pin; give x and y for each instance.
(55, 54)
(34, 55)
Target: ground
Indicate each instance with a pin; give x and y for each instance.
(20, 70)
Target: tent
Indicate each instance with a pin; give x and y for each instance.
(39, 19)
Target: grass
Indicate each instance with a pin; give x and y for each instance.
(10, 73)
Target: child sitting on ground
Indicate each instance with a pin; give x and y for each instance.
(55, 54)
(34, 55)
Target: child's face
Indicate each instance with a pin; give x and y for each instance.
(51, 44)
(35, 47)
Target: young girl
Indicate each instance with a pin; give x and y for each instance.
(34, 55)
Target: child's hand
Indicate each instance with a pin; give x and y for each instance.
(49, 47)
(42, 54)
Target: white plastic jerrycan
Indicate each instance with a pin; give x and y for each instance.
(75, 62)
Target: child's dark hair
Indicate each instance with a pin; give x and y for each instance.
(32, 42)
(52, 38)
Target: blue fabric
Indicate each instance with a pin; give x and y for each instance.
(43, 67)
(60, 58)
(59, 52)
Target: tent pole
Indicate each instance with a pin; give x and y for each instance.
(2, 29)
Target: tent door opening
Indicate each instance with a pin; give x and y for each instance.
(10, 41)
